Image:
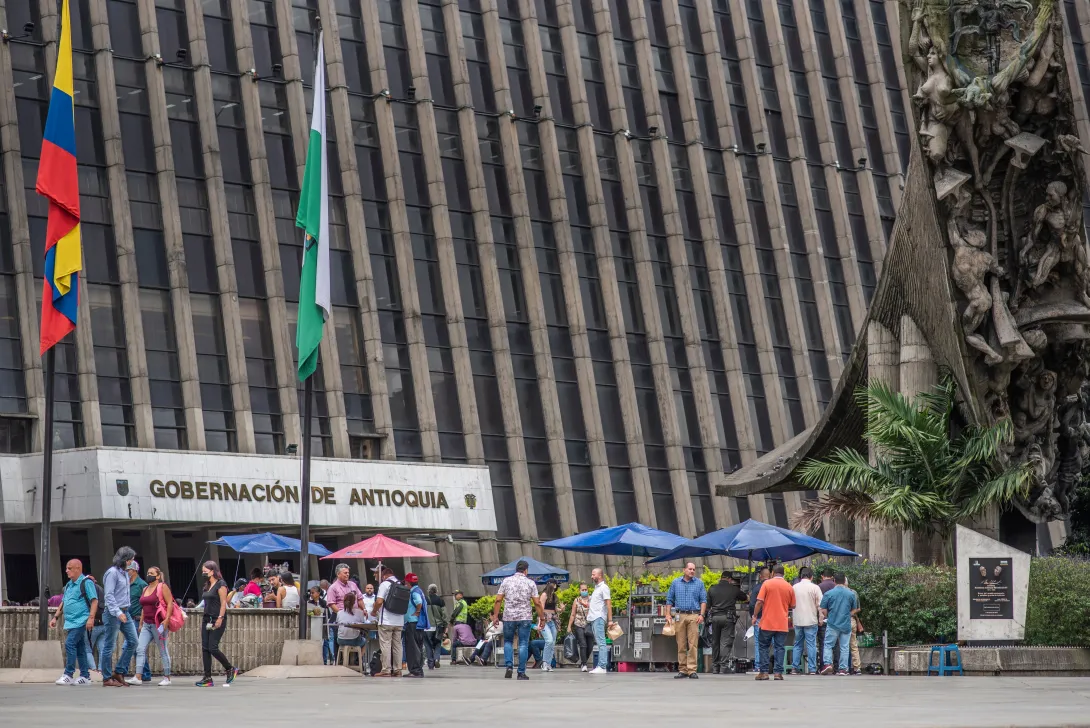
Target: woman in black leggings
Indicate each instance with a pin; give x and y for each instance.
(214, 624)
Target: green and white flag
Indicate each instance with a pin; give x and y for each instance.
(313, 217)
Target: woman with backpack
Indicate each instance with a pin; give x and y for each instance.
(156, 609)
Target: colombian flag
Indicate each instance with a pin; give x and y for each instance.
(58, 182)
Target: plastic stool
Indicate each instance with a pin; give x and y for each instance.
(943, 668)
(344, 656)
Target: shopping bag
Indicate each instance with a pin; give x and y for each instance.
(614, 632)
(571, 651)
(668, 630)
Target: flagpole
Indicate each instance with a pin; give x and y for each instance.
(47, 497)
(304, 499)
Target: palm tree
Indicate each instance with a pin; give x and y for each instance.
(924, 478)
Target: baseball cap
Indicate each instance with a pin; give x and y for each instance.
(133, 566)
(411, 578)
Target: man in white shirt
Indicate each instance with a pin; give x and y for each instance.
(368, 600)
(806, 617)
(599, 616)
(390, 627)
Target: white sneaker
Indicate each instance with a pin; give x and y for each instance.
(599, 671)
(165, 682)
(583, 669)
(82, 681)
(134, 680)
(64, 680)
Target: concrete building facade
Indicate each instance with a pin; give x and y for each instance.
(612, 250)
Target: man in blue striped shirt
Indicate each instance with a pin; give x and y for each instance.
(688, 597)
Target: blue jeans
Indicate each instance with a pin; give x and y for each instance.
(150, 633)
(94, 641)
(329, 650)
(75, 649)
(599, 626)
(114, 625)
(772, 650)
(522, 628)
(757, 645)
(844, 638)
(549, 635)
(807, 635)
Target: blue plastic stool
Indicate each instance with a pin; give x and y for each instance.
(943, 668)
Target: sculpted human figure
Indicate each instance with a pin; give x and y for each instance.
(972, 263)
(1059, 216)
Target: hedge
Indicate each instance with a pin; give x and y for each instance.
(915, 604)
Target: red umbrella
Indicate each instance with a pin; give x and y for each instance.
(380, 547)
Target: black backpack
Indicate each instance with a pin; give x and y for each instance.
(397, 598)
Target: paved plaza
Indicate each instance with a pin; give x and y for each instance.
(473, 697)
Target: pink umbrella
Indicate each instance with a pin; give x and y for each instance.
(380, 547)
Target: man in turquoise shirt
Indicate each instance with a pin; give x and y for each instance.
(837, 607)
(78, 609)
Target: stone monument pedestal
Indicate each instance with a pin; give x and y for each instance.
(42, 655)
(301, 652)
(993, 585)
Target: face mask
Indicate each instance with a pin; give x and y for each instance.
(151, 578)
(583, 593)
(206, 575)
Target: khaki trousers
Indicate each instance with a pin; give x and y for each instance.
(688, 642)
(854, 648)
(389, 641)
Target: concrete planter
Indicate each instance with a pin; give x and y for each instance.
(253, 637)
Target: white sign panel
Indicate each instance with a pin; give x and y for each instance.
(147, 485)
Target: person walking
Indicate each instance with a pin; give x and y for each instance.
(116, 588)
(837, 607)
(214, 624)
(550, 607)
(416, 625)
(94, 641)
(580, 627)
(518, 597)
(79, 604)
(723, 599)
(136, 588)
(390, 625)
(156, 605)
(437, 621)
(775, 600)
(806, 618)
(600, 616)
(688, 597)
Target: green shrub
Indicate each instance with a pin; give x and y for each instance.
(915, 604)
(1059, 602)
(482, 608)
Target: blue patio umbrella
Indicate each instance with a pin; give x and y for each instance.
(631, 539)
(538, 571)
(267, 543)
(754, 540)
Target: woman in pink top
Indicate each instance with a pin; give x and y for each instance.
(156, 595)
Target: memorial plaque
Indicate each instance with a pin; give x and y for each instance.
(991, 588)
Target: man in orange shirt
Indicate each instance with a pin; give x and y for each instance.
(775, 600)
